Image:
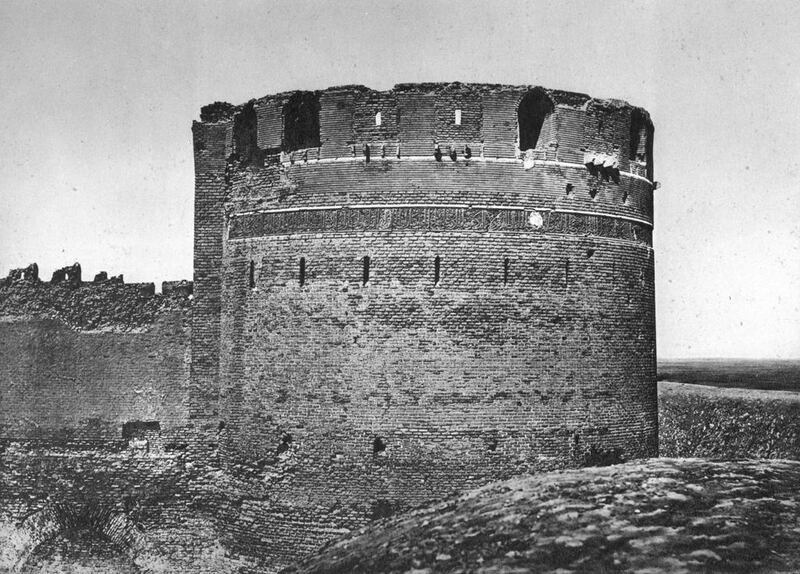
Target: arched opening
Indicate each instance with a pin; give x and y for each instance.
(90, 538)
(83, 549)
(533, 110)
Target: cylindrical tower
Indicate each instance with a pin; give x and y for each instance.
(421, 290)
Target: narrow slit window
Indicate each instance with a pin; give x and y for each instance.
(506, 266)
(302, 275)
(566, 273)
(458, 117)
(252, 275)
(365, 278)
(437, 267)
(378, 119)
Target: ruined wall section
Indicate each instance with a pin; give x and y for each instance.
(95, 433)
(412, 119)
(589, 140)
(93, 364)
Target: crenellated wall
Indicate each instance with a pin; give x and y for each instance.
(412, 304)
(98, 461)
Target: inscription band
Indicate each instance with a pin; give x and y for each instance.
(435, 218)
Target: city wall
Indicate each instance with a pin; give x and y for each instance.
(99, 457)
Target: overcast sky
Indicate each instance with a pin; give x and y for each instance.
(97, 101)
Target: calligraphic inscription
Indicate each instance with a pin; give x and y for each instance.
(434, 219)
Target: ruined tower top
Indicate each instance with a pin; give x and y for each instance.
(449, 121)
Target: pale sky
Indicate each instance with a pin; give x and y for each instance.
(97, 100)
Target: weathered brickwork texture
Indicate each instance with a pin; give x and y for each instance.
(416, 305)
(96, 463)
(397, 295)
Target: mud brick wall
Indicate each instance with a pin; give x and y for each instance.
(394, 329)
(458, 97)
(336, 123)
(79, 363)
(417, 109)
(81, 388)
(607, 129)
(95, 431)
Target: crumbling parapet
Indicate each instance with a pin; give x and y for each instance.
(182, 288)
(104, 303)
(29, 274)
(504, 121)
(69, 275)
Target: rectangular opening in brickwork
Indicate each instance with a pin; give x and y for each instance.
(252, 275)
(506, 267)
(378, 119)
(365, 275)
(378, 446)
(566, 273)
(301, 121)
(302, 276)
(245, 137)
(139, 429)
(437, 266)
(458, 117)
(637, 144)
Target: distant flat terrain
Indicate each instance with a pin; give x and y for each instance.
(656, 516)
(727, 423)
(767, 374)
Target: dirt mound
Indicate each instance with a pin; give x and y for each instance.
(661, 515)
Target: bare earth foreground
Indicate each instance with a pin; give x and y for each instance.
(660, 515)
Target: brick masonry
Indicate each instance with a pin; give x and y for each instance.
(383, 312)
(460, 316)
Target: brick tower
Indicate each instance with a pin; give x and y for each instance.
(403, 293)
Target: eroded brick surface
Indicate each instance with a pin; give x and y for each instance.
(506, 324)
(466, 311)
